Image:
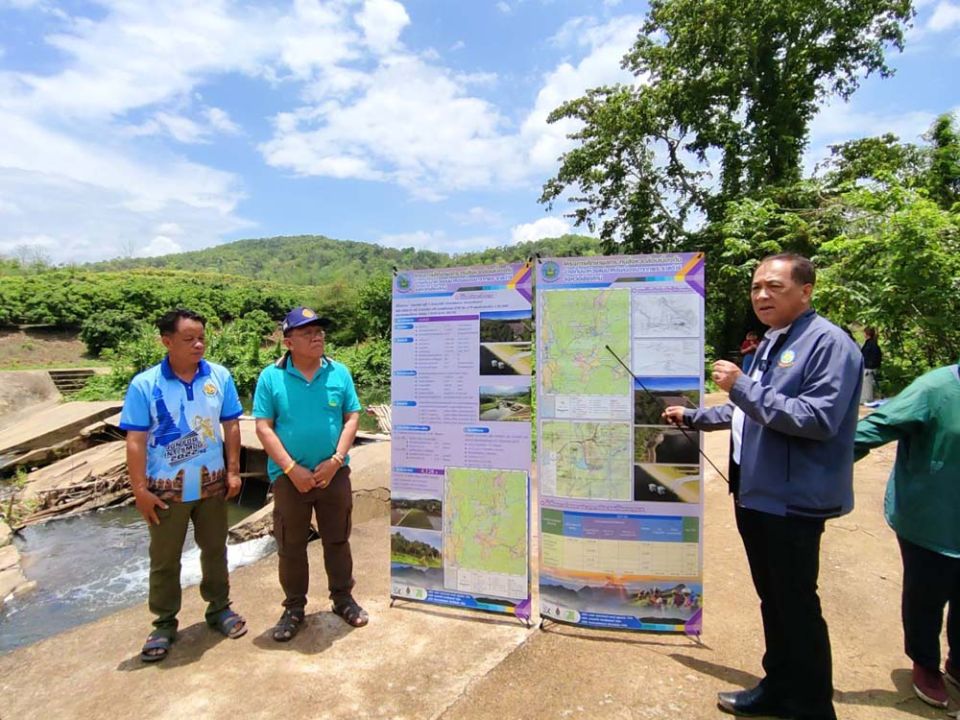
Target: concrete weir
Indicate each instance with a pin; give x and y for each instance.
(41, 432)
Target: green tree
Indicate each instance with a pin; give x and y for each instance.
(107, 329)
(375, 306)
(896, 267)
(943, 176)
(738, 78)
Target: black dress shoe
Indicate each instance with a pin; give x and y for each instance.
(752, 703)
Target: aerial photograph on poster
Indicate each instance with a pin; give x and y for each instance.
(505, 403)
(652, 395)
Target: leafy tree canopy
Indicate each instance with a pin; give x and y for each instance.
(735, 79)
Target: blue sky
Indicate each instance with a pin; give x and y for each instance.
(136, 128)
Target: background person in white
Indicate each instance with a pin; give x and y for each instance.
(793, 421)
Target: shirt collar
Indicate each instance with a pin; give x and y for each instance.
(288, 366)
(203, 368)
(772, 334)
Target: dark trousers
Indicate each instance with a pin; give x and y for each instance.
(209, 517)
(784, 557)
(292, 513)
(930, 581)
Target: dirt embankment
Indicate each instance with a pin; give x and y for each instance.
(40, 347)
(21, 390)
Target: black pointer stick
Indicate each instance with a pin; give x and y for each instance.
(656, 401)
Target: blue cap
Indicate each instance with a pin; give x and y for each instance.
(300, 316)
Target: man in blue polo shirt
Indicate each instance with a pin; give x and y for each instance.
(307, 414)
(175, 458)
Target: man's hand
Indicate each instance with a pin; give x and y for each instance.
(147, 504)
(301, 478)
(234, 483)
(324, 472)
(673, 415)
(725, 374)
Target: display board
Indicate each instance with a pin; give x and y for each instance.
(461, 401)
(620, 492)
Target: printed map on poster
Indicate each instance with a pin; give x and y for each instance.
(576, 326)
(667, 315)
(485, 520)
(587, 460)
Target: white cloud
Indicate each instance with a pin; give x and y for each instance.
(382, 22)
(220, 120)
(458, 45)
(97, 194)
(70, 139)
(9, 208)
(479, 216)
(946, 16)
(148, 183)
(139, 55)
(369, 108)
(39, 245)
(181, 128)
(606, 44)
(504, 7)
(169, 228)
(838, 122)
(420, 125)
(437, 240)
(86, 222)
(414, 124)
(213, 122)
(160, 245)
(543, 228)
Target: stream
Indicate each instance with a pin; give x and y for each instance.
(95, 564)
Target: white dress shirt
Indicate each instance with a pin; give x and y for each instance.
(736, 422)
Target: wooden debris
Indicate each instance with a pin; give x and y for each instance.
(384, 416)
(90, 480)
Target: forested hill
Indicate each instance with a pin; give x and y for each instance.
(319, 260)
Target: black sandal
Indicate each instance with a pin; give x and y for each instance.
(288, 625)
(353, 614)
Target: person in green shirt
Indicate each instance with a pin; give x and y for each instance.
(922, 505)
(307, 414)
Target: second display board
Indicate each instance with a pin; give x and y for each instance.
(620, 492)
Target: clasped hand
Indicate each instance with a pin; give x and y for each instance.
(321, 476)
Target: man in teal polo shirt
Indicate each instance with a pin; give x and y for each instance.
(307, 414)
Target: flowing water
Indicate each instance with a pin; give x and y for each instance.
(95, 564)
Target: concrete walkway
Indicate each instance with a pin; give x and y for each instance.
(418, 661)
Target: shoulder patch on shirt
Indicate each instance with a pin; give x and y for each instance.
(787, 358)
